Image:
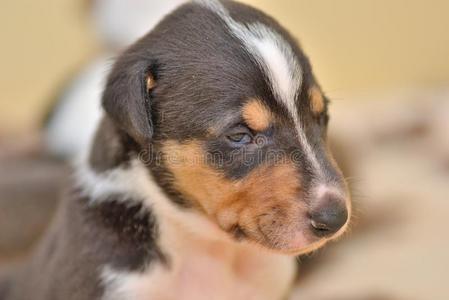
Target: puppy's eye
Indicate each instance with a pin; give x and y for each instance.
(240, 138)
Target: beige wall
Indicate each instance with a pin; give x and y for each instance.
(370, 44)
(353, 44)
(42, 41)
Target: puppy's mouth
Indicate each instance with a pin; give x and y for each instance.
(293, 246)
(238, 233)
(287, 239)
(296, 246)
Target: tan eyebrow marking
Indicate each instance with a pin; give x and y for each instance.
(257, 115)
(316, 100)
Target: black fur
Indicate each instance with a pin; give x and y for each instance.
(134, 227)
(67, 264)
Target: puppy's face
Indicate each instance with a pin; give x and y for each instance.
(252, 173)
(236, 124)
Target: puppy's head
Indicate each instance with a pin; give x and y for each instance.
(236, 124)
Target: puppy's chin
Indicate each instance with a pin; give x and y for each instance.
(294, 244)
(300, 245)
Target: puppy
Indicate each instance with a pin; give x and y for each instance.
(209, 172)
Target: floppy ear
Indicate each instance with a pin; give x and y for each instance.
(126, 98)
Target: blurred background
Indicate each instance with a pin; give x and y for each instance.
(385, 64)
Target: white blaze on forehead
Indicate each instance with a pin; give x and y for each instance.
(273, 54)
(281, 67)
(277, 59)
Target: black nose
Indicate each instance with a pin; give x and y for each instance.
(328, 217)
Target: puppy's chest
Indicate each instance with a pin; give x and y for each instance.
(209, 271)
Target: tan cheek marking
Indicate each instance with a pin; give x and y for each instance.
(230, 201)
(267, 190)
(194, 178)
(316, 100)
(265, 203)
(257, 115)
(151, 83)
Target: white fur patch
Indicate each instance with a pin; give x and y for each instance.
(199, 276)
(75, 119)
(276, 57)
(270, 50)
